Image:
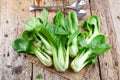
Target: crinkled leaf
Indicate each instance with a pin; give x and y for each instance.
(21, 45)
(92, 25)
(97, 40)
(32, 23)
(73, 21)
(72, 36)
(59, 19)
(60, 31)
(29, 35)
(88, 27)
(82, 42)
(49, 36)
(45, 17)
(51, 28)
(102, 48)
(94, 20)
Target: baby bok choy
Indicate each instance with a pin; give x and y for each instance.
(88, 56)
(72, 22)
(67, 40)
(53, 38)
(70, 25)
(24, 45)
(92, 25)
(90, 45)
(57, 38)
(34, 24)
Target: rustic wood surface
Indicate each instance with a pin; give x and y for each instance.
(14, 66)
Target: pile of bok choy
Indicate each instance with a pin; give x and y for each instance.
(54, 43)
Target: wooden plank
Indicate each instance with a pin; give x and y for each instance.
(46, 74)
(115, 14)
(89, 73)
(13, 66)
(109, 62)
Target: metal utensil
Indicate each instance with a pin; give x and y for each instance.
(80, 13)
(77, 5)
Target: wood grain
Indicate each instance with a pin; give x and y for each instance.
(109, 62)
(13, 66)
(115, 14)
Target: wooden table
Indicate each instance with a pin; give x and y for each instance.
(14, 66)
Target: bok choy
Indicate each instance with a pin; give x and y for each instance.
(54, 43)
(90, 45)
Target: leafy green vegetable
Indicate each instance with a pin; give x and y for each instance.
(89, 56)
(59, 20)
(93, 27)
(73, 27)
(45, 17)
(69, 25)
(55, 42)
(32, 23)
(62, 57)
(23, 45)
(91, 45)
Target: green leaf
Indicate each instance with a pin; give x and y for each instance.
(29, 35)
(33, 23)
(60, 31)
(73, 21)
(92, 25)
(82, 41)
(94, 20)
(72, 36)
(21, 45)
(51, 28)
(45, 17)
(97, 40)
(88, 27)
(41, 45)
(59, 20)
(56, 30)
(66, 21)
(39, 76)
(102, 48)
(49, 36)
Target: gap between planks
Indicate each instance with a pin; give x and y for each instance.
(98, 56)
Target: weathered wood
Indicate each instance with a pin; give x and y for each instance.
(115, 14)
(13, 14)
(109, 62)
